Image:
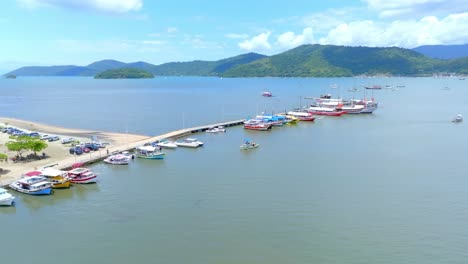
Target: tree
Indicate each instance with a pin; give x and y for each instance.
(23, 143)
(36, 145)
(3, 157)
(19, 146)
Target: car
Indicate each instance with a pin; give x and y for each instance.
(44, 137)
(34, 134)
(76, 151)
(53, 138)
(92, 146)
(67, 140)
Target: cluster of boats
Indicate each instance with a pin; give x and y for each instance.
(41, 182)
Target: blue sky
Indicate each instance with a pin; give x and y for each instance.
(79, 32)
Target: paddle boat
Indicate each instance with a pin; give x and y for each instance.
(458, 119)
(189, 143)
(216, 129)
(118, 159)
(249, 145)
(82, 176)
(149, 152)
(6, 198)
(35, 185)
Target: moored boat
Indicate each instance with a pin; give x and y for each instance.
(373, 87)
(166, 144)
(254, 124)
(189, 143)
(118, 159)
(6, 198)
(326, 111)
(458, 119)
(267, 94)
(34, 185)
(149, 152)
(82, 176)
(302, 116)
(57, 178)
(217, 129)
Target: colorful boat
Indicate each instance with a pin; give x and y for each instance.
(34, 185)
(149, 152)
(254, 124)
(302, 116)
(57, 178)
(6, 198)
(326, 111)
(82, 176)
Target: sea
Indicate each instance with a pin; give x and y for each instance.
(388, 187)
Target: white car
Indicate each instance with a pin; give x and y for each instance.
(44, 137)
(67, 140)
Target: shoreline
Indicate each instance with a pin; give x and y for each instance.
(56, 151)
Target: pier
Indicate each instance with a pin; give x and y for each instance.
(99, 155)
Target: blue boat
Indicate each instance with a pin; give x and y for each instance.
(35, 185)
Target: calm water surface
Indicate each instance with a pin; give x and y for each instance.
(391, 187)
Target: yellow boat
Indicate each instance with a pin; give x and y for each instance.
(292, 120)
(56, 177)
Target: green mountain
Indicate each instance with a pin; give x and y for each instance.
(303, 61)
(124, 73)
(336, 61)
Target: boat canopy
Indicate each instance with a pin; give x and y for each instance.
(147, 148)
(51, 172)
(33, 173)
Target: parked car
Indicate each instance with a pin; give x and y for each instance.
(44, 137)
(76, 151)
(92, 146)
(67, 140)
(34, 134)
(53, 138)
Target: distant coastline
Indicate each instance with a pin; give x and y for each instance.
(124, 73)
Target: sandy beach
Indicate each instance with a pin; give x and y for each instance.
(56, 151)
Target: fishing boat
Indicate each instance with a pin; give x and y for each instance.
(302, 116)
(217, 129)
(149, 152)
(267, 94)
(6, 198)
(249, 145)
(118, 159)
(57, 178)
(189, 143)
(34, 185)
(254, 124)
(166, 144)
(458, 119)
(82, 176)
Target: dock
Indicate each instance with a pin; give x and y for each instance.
(99, 155)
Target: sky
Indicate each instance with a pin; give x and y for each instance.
(79, 32)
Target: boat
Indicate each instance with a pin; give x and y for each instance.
(373, 87)
(354, 89)
(82, 176)
(166, 144)
(35, 185)
(149, 152)
(57, 178)
(255, 124)
(326, 111)
(274, 120)
(216, 129)
(189, 143)
(249, 145)
(302, 116)
(267, 94)
(6, 198)
(458, 119)
(118, 159)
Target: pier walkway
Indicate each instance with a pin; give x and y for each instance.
(96, 156)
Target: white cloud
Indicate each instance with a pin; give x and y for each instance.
(257, 43)
(236, 36)
(110, 6)
(394, 8)
(171, 30)
(290, 39)
(153, 42)
(430, 30)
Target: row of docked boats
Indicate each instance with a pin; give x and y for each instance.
(266, 122)
(41, 182)
(328, 106)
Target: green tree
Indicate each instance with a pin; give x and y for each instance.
(36, 145)
(18, 145)
(3, 157)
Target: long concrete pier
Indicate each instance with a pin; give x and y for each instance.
(96, 156)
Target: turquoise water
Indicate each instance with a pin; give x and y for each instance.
(384, 188)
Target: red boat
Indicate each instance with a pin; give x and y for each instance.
(82, 175)
(326, 111)
(257, 125)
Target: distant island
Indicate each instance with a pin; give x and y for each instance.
(124, 73)
(10, 76)
(302, 61)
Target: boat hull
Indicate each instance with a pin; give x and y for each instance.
(45, 191)
(156, 156)
(92, 179)
(7, 201)
(258, 127)
(326, 113)
(61, 185)
(249, 146)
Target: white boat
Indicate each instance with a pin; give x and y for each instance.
(82, 176)
(189, 143)
(167, 144)
(458, 118)
(149, 152)
(118, 159)
(6, 198)
(36, 185)
(216, 129)
(249, 145)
